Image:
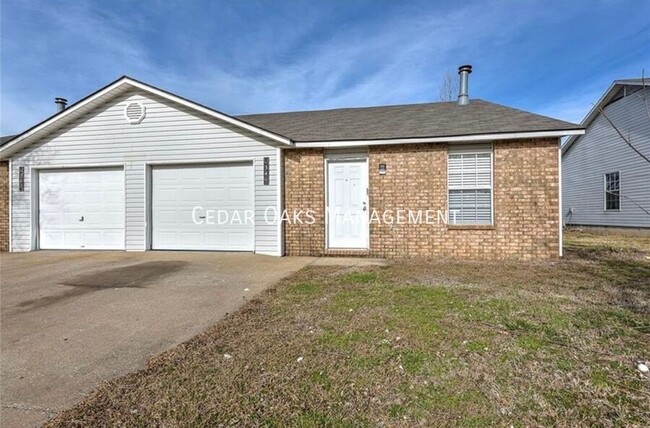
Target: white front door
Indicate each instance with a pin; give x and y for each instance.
(81, 209)
(224, 189)
(347, 204)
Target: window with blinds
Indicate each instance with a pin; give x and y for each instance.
(470, 185)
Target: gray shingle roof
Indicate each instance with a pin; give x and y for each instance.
(444, 119)
(6, 139)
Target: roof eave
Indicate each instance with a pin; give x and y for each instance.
(604, 99)
(443, 139)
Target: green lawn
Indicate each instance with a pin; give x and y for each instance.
(415, 343)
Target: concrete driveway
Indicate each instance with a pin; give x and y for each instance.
(71, 320)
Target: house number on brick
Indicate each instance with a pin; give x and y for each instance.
(267, 172)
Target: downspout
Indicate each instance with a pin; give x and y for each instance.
(10, 179)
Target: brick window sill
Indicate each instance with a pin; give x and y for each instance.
(471, 227)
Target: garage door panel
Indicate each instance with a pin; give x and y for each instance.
(97, 240)
(167, 217)
(166, 195)
(217, 239)
(177, 190)
(166, 238)
(73, 239)
(190, 239)
(215, 194)
(239, 239)
(81, 209)
(113, 197)
(191, 194)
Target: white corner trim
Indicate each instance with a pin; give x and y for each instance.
(280, 193)
(10, 179)
(461, 138)
(559, 189)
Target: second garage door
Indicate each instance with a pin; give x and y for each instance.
(182, 194)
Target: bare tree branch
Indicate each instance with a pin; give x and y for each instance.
(618, 131)
(609, 192)
(448, 87)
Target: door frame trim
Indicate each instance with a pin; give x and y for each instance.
(340, 158)
(34, 176)
(148, 194)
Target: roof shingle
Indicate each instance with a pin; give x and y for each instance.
(443, 119)
(4, 140)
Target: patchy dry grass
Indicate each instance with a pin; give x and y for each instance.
(615, 243)
(411, 344)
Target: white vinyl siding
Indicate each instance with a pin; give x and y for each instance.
(169, 134)
(470, 184)
(600, 151)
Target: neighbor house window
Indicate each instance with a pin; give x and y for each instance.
(612, 191)
(470, 184)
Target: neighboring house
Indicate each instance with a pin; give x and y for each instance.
(605, 182)
(4, 198)
(132, 167)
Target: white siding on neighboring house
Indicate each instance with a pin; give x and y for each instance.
(170, 133)
(601, 150)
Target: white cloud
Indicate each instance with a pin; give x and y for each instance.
(301, 59)
(400, 59)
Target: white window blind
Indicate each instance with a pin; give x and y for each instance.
(470, 185)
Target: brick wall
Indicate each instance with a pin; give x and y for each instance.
(4, 206)
(525, 202)
(304, 188)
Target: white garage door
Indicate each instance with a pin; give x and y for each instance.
(81, 209)
(181, 195)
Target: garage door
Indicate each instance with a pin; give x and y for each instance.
(81, 209)
(183, 194)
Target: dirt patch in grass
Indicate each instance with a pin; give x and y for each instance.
(415, 343)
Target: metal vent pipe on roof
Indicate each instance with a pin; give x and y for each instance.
(61, 103)
(463, 87)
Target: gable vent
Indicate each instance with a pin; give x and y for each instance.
(134, 112)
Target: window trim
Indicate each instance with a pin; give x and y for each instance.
(620, 199)
(478, 148)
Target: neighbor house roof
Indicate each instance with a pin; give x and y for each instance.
(613, 93)
(411, 121)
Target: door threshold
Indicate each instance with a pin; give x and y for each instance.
(347, 252)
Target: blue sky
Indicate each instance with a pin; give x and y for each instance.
(549, 57)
